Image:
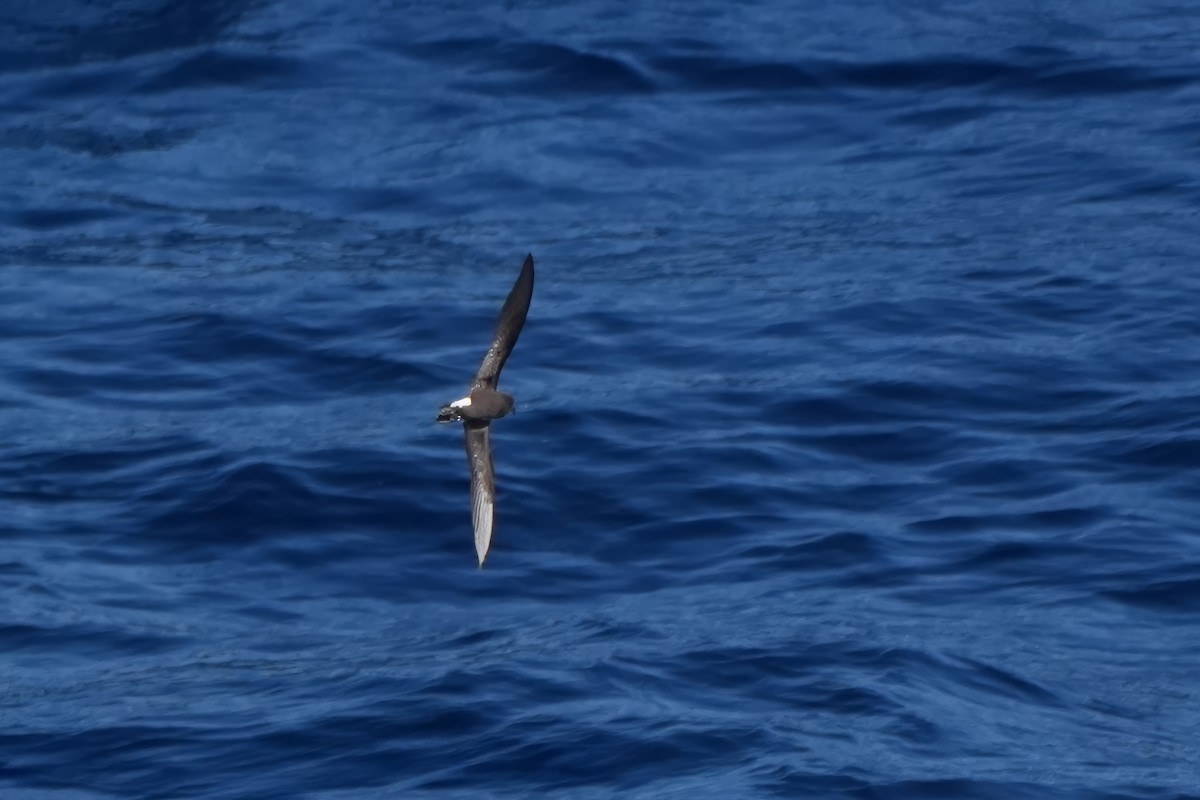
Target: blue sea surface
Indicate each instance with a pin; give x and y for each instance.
(857, 451)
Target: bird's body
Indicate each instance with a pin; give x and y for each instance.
(481, 404)
(485, 403)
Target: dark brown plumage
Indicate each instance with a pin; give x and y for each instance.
(484, 403)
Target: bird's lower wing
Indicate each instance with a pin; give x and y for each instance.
(483, 485)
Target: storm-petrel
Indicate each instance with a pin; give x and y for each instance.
(484, 404)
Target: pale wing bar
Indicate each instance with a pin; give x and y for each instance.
(483, 485)
(508, 327)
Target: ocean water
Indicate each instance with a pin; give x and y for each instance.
(858, 428)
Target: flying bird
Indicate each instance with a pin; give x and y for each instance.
(485, 403)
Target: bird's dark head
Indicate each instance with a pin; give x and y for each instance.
(508, 405)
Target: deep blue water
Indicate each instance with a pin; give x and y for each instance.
(859, 404)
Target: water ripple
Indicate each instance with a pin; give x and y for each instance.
(856, 424)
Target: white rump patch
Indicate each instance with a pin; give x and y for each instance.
(466, 401)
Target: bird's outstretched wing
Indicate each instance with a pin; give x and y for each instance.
(508, 327)
(483, 484)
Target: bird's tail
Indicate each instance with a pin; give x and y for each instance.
(448, 414)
